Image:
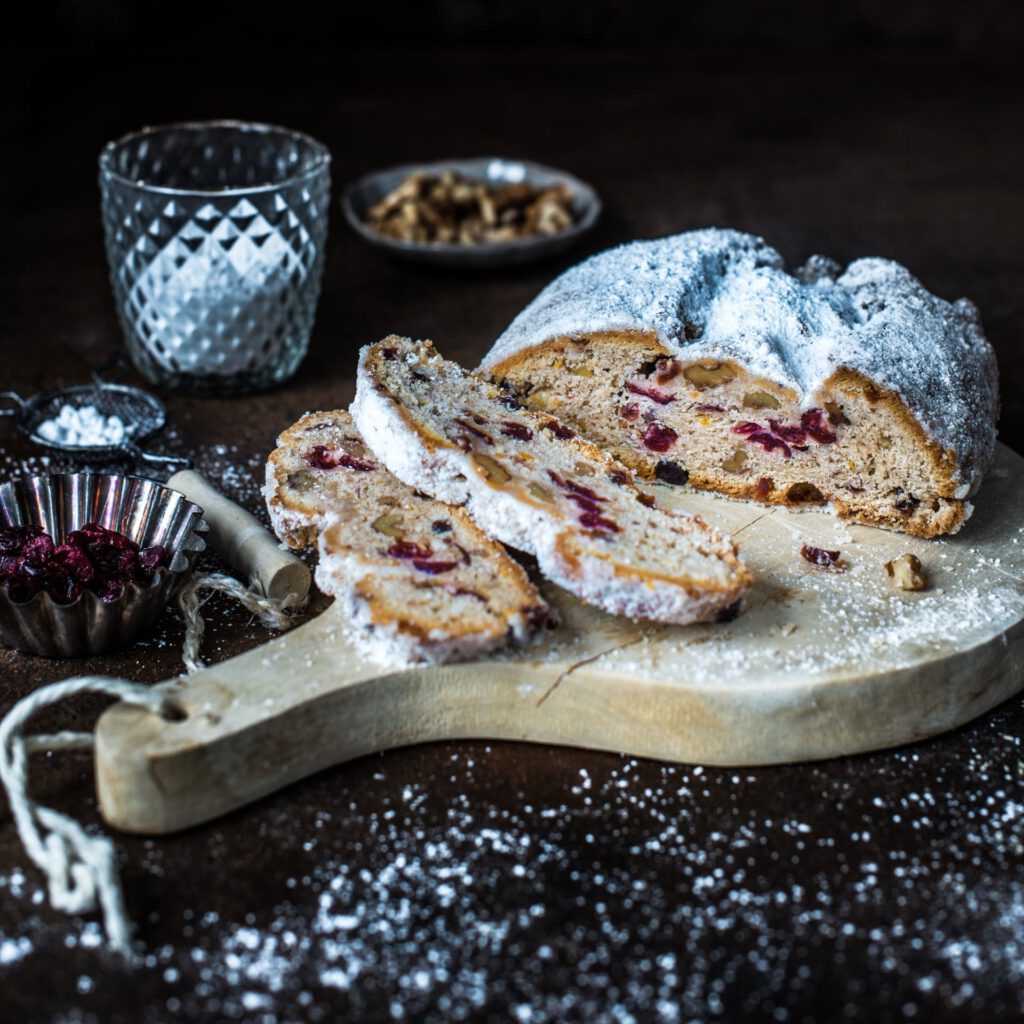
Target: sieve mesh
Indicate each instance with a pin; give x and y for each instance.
(141, 413)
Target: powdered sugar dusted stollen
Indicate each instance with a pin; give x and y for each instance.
(530, 483)
(423, 583)
(700, 355)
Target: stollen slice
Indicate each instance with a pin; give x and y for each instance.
(422, 582)
(530, 482)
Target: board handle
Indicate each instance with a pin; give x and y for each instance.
(243, 541)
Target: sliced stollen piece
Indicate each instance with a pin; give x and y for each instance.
(422, 582)
(528, 481)
(699, 357)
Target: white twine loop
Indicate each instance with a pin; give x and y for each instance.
(81, 869)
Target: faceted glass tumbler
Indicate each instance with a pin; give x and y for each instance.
(215, 235)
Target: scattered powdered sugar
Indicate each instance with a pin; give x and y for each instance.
(609, 889)
(510, 882)
(82, 426)
(727, 295)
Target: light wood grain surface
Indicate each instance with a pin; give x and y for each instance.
(819, 663)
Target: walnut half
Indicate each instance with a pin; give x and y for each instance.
(907, 573)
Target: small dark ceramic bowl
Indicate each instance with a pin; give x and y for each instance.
(141, 510)
(370, 189)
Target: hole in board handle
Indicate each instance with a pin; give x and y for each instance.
(172, 711)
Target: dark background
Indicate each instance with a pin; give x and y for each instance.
(983, 27)
(882, 887)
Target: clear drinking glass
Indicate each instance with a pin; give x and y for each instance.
(215, 236)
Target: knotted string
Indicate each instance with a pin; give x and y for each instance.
(273, 613)
(81, 869)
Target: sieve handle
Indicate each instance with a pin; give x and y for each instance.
(242, 540)
(19, 403)
(170, 461)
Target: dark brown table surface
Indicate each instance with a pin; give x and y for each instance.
(496, 880)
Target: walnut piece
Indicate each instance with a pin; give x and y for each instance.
(709, 375)
(388, 524)
(450, 208)
(760, 400)
(492, 469)
(907, 573)
(735, 463)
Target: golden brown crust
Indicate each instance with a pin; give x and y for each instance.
(943, 514)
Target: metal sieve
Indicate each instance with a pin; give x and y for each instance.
(141, 413)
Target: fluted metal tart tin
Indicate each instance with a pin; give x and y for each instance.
(142, 510)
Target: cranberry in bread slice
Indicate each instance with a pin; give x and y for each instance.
(528, 481)
(421, 581)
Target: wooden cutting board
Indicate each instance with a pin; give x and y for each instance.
(819, 663)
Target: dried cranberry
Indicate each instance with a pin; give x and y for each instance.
(819, 556)
(770, 443)
(562, 432)
(670, 472)
(794, 435)
(706, 407)
(357, 465)
(630, 411)
(321, 457)
(652, 393)
(111, 589)
(92, 557)
(594, 521)
(517, 430)
(14, 538)
(153, 557)
(580, 489)
(813, 421)
(409, 549)
(38, 549)
(433, 567)
(441, 526)
(476, 431)
(61, 584)
(659, 438)
(586, 504)
(746, 427)
(75, 562)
